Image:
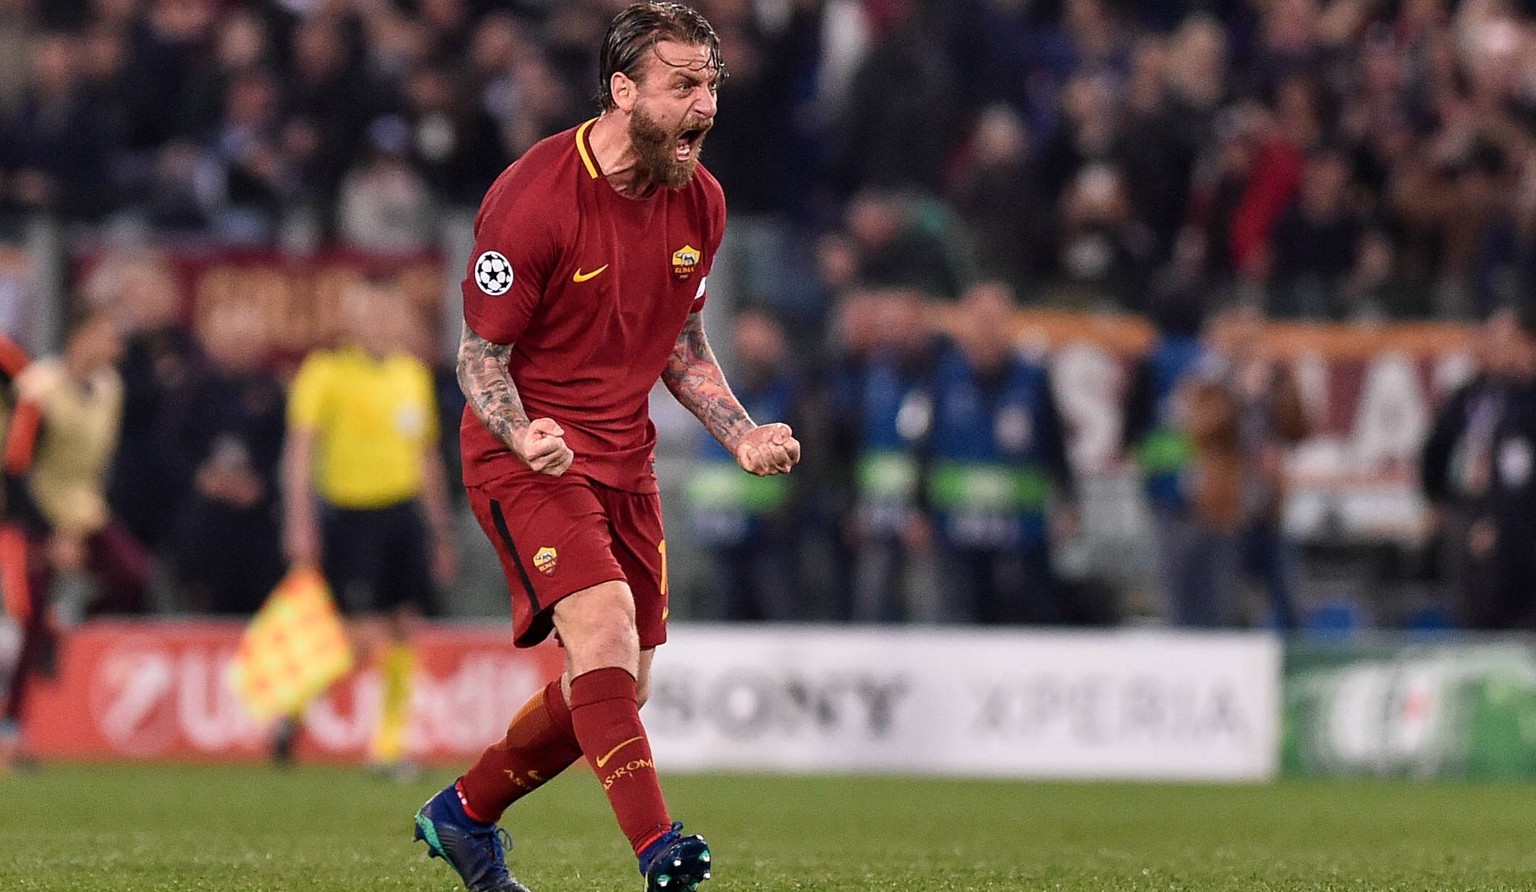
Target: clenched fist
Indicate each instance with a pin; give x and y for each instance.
(768, 449)
(541, 446)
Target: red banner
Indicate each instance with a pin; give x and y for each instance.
(160, 690)
(297, 294)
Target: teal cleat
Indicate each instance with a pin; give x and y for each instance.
(476, 850)
(675, 863)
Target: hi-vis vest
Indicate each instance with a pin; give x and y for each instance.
(727, 505)
(1166, 451)
(895, 406)
(988, 481)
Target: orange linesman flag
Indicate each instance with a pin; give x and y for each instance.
(293, 649)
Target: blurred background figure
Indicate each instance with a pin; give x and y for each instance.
(996, 472)
(161, 354)
(1271, 422)
(1158, 432)
(224, 431)
(93, 564)
(885, 416)
(364, 493)
(1477, 473)
(748, 523)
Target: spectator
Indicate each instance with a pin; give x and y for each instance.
(887, 418)
(1476, 474)
(160, 356)
(243, 43)
(53, 150)
(1316, 242)
(1158, 433)
(329, 101)
(1271, 422)
(224, 432)
(898, 122)
(384, 205)
(993, 461)
(259, 172)
(1106, 251)
(455, 145)
(997, 193)
(896, 245)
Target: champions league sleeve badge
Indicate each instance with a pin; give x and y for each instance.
(493, 273)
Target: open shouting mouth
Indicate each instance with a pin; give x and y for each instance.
(688, 143)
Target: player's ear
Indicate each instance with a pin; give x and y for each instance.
(625, 91)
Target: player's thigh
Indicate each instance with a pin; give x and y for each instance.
(640, 547)
(551, 535)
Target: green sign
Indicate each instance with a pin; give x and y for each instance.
(1400, 710)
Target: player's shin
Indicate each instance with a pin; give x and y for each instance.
(540, 743)
(606, 715)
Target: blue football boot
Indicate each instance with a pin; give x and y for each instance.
(476, 850)
(675, 862)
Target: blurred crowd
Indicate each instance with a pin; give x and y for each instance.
(163, 461)
(1344, 159)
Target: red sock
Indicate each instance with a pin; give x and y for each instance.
(540, 743)
(607, 719)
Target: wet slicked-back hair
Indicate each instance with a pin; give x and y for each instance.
(638, 28)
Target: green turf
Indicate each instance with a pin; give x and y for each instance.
(126, 829)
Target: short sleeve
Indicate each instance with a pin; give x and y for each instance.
(306, 398)
(515, 250)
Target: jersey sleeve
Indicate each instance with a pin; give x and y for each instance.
(715, 208)
(306, 397)
(516, 248)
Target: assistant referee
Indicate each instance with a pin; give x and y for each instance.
(364, 494)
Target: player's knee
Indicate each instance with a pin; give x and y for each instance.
(597, 627)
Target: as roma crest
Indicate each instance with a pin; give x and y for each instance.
(545, 559)
(685, 260)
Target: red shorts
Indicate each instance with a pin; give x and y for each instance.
(558, 535)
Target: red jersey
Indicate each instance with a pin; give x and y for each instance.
(591, 289)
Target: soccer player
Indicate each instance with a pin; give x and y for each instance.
(585, 286)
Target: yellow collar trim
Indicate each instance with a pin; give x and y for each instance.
(581, 147)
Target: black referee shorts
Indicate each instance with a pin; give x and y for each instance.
(378, 559)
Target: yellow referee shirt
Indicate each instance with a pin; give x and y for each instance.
(373, 422)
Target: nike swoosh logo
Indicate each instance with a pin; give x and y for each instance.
(580, 276)
(604, 759)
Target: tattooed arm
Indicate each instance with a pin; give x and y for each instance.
(483, 376)
(695, 379)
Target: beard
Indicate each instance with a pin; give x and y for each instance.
(656, 149)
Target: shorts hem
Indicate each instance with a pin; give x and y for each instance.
(542, 623)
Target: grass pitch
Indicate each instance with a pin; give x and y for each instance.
(127, 828)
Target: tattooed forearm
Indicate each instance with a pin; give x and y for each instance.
(695, 379)
(482, 372)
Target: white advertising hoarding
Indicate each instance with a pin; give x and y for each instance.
(1119, 704)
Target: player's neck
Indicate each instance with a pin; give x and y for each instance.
(615, 156)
